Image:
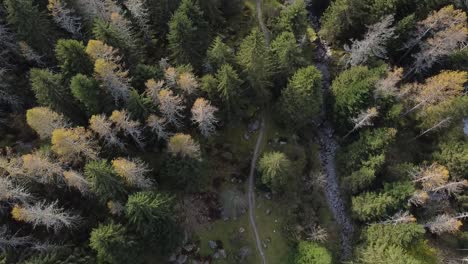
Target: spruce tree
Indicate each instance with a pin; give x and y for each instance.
(72, 58)
(104, 182)
(189, 34)
(228, 86)
(255, 59)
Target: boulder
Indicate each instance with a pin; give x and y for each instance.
(212, 244)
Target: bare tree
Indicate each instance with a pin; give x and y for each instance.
(400, 218)
(12, 165)
(388, 86)
(441, 124)
(74, 143)
(171, 106)
(448, 29)
(438, 21)
(30, 54)
(133, 172)
(41, 168)
(129, 127)
(444, 224)
(114, 78)
(77, 180)
(170, 74)
(97, 49)
(103, 128)
(431, 176)
(419, 198)
(115, 208)
(203, 114)
(65, 17)
(42, 214)
(9, 192)
(9, 241)
(373, 44)
(187, 82)
(452, 187)
(92, 9)
(441, 87)
(140, 13)
(316, 233)
(44, 121)
(152, 89)
(363, 119)
(184, 145)
(158, 125)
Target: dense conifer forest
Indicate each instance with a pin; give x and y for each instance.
(233, 131)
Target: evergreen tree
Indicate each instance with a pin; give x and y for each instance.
(294, 19)
(352, 91)
(138, 105)
(276, 169)
(72, 58)
(218, 54)
(150, 212)
(301, 101)
(312, 253)
(30, 23)
(104, 182)
(255, 60)
(228, 86)
(113, 244)
(189, 34)
(287, 53)
(51, 92)
(86, 90)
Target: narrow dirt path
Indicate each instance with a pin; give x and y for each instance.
(253, 163)
(328, 149)
(251, 191)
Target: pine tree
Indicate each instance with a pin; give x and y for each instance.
(301, 101)
(293, 18)
(276, 169)
(287, 53)
(104, 182)
(228, 86)
(255, 60)
(30, 24)
(86, 90)
(72, 58)
(218, 54)
(189, 34)
(51, 92)
(113, 244)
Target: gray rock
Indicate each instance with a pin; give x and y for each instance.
(254, 126)
(241, 230)
(222, 253)
(244, 252)
(268, 196)
(246, 136)
(181, 259)
(189, 247)
(268, 212)
(172, 258)
(216, 255)
(212, 244)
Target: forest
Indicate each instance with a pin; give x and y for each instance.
(233, 131)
